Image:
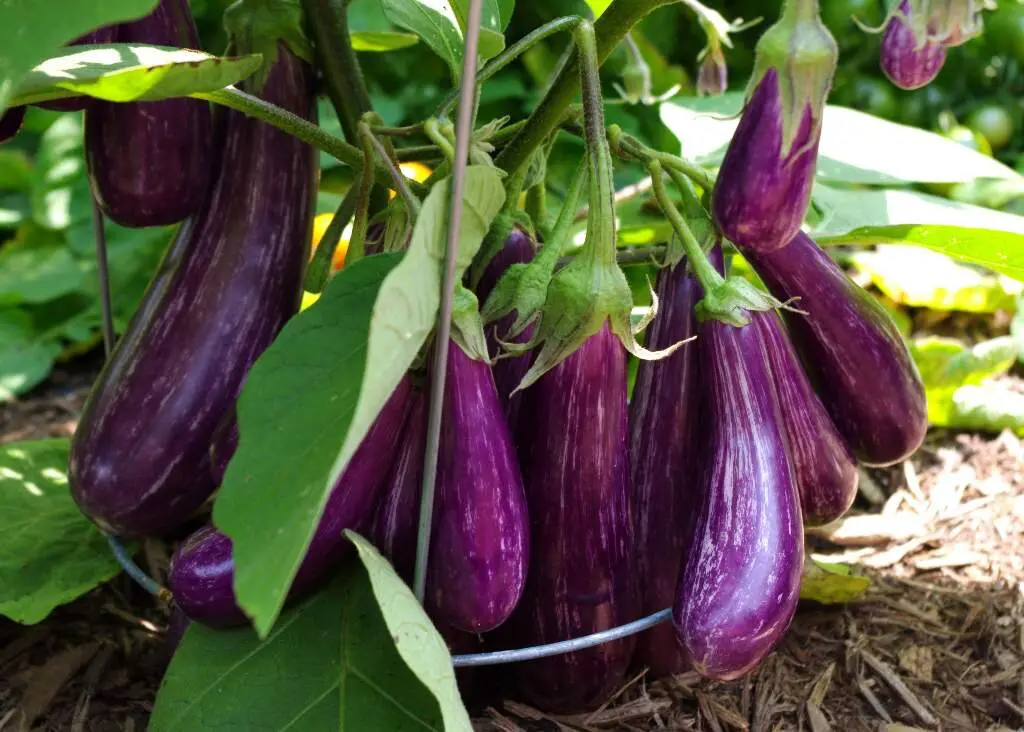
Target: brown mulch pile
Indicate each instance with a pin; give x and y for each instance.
(937, 642)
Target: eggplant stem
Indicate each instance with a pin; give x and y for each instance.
(294, 125)
(463, 133)
(134, 571)
(319, 269)
(401, 183)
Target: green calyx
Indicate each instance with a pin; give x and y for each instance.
(467, 328)
(803, 52)
(256, 26)
(732, 301)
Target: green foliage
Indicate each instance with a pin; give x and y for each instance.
(361, 654)
(50, 553)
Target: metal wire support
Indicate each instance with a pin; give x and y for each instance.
(103, 274)
(463, 131)
(494, 658)
(134, 571)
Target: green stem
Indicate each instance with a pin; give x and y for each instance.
(706, 273)
(601, 221)
(295, 126)
(357, 242)
(610, 29)
(633, 147)
(433, 131)
(567, 216)
(509, 55)
(400, 182)
(327, 20)
(320, 267)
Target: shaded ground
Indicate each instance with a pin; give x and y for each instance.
(936, 643)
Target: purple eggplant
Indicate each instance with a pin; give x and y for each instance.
(823, 464)
(149, 162)
(223, 446)
(853, 352)
(912, 55)
(140, 456)
(573, 438)
(664, 461)
(10, 123)
(740, 583)
(107, 34)
(508, 371)
(397, 519)
(201, 575)
(480, 544)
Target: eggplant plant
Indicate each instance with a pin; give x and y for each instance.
(436, 459)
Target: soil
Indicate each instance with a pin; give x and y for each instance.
(936, 642)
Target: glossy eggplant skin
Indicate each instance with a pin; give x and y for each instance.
(508, 372)
(10, 123)
(852, 350)
(740, 583)
(140, 457)
(664, 462)
(823, 464)
(573, 439)
(761, 195)
(396, 522)
(149, 162)
(223, 446)
(907, 59)
(107, 34)
(480, 543)
(201, 575)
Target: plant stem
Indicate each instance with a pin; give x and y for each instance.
(706, 273)
(609, 29)
(294, 125)
(601, 221)
(103, 274)
(320, 267)
(357, 241)
(327, 20)
(400, 182)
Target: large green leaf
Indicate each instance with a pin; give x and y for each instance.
(34, 31)
(127, 72)
(918, 277)
(60, 163)
(312, 396)
(999, 251)
(25, 359)
(855, 147)
(331, 663)
(50, 553)
(380, 41)
(36, 267)
(844, 209)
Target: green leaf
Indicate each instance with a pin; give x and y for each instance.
(128, 72)
(494, 18)
(918, 277)
(947, 366)
(50, 553)
(25, 359)
(36, 267)
(844, 210)
(312, 396)
(381, 41)
(987, 407)
(15, 170)
(855, 147)
(60, 162)
(598, 6)
(330, 663)
(999, 251)
(34, 31)
(831, 584)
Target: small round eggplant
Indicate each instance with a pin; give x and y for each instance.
(480, 544)
(10, 123)
(853, 352)
(107, 34)
(573, 438)
(663, 460)
(201, 575)
(740, 584)
(911, 55)
(823, 464)
(397, 520)
(150, 162)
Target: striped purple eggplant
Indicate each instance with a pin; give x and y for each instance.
(201, 575)
(741, 580)
(823, 464)
(140, 456)
(912, 54)
(664, 461)
(573, 439)
(509, 371)
(397, 519)
(10, 123)
(107, 34)
(480, 544)
(852, 350)
(150, 162)
(223, 446)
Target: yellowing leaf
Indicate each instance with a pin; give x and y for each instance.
(831, 584)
